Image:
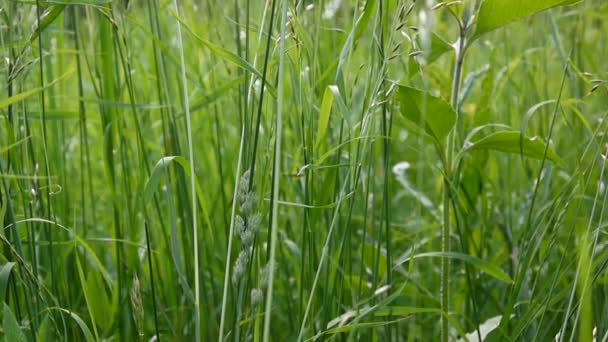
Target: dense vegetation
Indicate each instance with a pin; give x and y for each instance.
(281, 170)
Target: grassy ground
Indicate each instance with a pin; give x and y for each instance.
(281, 170)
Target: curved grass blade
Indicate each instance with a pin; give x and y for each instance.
(12, 331)
(480, 264)
(5, 103)
(81, 324)
(5, 275)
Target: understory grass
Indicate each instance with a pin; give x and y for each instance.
(399, 170)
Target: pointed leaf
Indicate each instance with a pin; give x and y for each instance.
(484, 330)
(47, 19)
(5, 275)
(514, 142)
(326, 104)
(433, 114)
(494, 14)
(480, 264)
(12, 331)
(4, 103)
(228, 55)
(88, 336)
(438, 47)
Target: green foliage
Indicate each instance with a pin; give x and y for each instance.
(432, 114)
(516, 143)
(400, 191)
(12, 330)
(494, 14)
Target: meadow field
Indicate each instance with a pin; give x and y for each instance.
(301, 170)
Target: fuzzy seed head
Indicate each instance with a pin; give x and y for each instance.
(264, 276)
(247, 238)
(256, 297)
(137, 305)
(240, 267)
(243, 187)
(239, 225)
(254, 223)
(249, 204)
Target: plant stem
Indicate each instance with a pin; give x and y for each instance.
(230, 239)
(197, 311)
(276, 175)
(447, 226)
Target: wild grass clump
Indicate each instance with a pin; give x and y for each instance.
(303, 170)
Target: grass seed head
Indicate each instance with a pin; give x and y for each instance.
(256, 297)
(250, 204)
(137, 306)
(239, 225)
(254, 223)
(240, 266)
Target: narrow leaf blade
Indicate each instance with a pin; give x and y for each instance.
(324, 114)
(480, 264)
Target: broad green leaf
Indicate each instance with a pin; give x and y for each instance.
(434, 114)
(5, 275)
(494, 14)
(12, 331)
(438, 48)
(514, 142)
(480, 264)
(326, 104)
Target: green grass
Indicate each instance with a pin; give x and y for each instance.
(289, 170)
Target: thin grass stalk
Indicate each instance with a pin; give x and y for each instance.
(525, 265)
(9, 216)
(580, 268)
(48, 207)
(230, 239)
(250, 87)
(152, 287)
(447, 193)
(322, 260)
(386, 132)
(262, 92)
(197, 312)
(276, 174)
